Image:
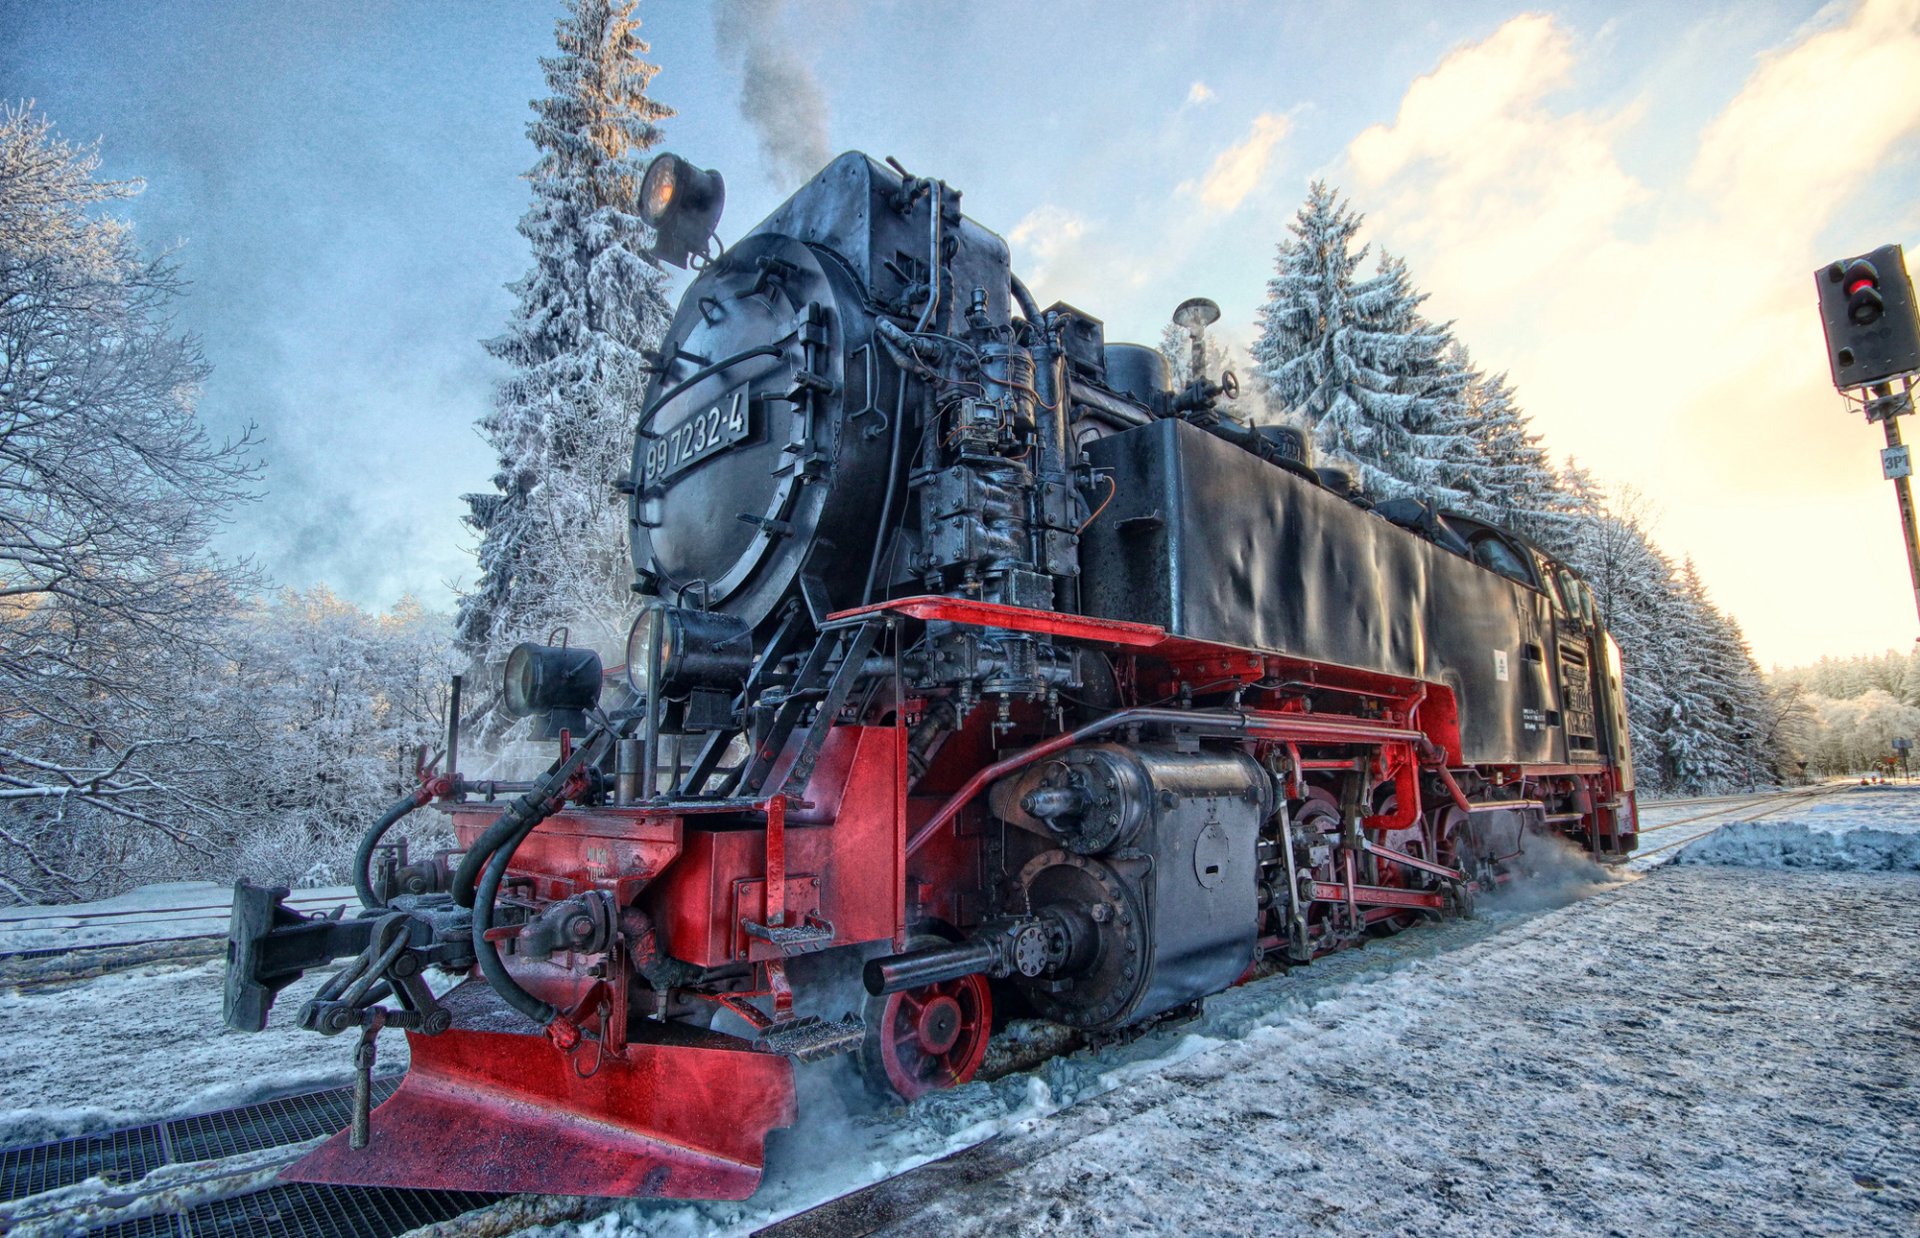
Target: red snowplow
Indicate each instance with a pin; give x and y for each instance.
(685, 1116)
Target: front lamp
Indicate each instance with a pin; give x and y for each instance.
(682, 205)
(541, 679)
(673, 650)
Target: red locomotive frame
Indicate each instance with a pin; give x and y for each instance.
(644, 1107)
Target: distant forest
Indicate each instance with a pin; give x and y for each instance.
(1841, 714)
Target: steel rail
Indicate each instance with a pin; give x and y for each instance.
(1767, 809)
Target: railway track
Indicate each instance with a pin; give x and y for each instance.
(49, 946)
(1763, 806)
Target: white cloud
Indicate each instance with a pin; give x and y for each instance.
(1476, 168)
(1813, 121)
(1045, 239)
(1663, 330)
(1237, 170)
(1199, 93)
(1046, 230)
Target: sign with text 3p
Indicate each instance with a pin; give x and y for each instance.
(1895, 462)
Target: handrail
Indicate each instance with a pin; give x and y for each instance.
(1319, 730)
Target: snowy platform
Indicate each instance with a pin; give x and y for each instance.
(148, 1043)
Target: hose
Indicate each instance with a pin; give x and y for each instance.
(485, 952)
(520, 820)
(525, 812)
(363, 857)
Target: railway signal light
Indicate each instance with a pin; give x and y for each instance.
(1867, 308)
(1861, 281)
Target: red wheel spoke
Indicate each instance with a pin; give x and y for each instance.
(954, 1014)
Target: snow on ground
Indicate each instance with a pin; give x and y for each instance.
(1702, 1049)
(149, 1043)
(1712, 1050)
(1869, 829)
(842, 1143)
(173, 909)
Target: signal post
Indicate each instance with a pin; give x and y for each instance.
(1873, 340)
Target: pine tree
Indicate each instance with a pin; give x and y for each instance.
(1735, 726)
(1506, 473)
(1632, 583)
(553, 532)
(1693, 690)
(1429, 368)
(1353, 358)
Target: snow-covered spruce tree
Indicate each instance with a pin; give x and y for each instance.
(1522, 488)
(553, 545)
(1735, 728)
(1497, 460)
(113, 610)
(1692, 687)
(1353, 358)
(1632, 585)
(1428, 367)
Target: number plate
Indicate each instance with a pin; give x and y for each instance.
(705, 434)
(1895, 463)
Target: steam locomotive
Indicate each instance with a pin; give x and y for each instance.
(982, 674)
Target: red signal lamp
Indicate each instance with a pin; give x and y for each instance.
(1864, 302)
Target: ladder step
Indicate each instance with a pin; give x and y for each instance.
(790, 939)
(811, 1038)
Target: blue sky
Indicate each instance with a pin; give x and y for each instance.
(1619, 204)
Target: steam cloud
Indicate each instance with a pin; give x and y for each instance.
(778, 94)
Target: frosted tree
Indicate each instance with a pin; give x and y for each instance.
(1429, 369)
(1735, 728)
(1353, 357)
(111, 603)
(337, 702)
(1632, 584)
(1700, 713)
(553, 530)
(1499, 462)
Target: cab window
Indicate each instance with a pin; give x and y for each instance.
(1569, 593)
(1494, 553)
